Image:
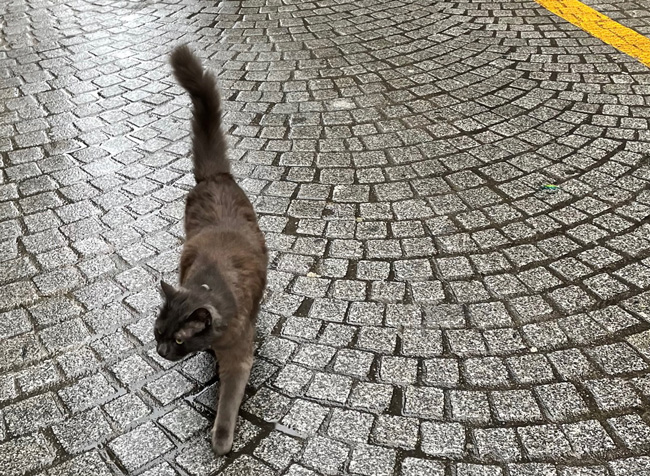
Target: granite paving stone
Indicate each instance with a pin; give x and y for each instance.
(544, 441)
(371, 460)
(497, 444)
(443, 439)
(183, 422)
(86, 393)
(140, 445)
(632, 430)
(588, 437)
(278, 450)
(90, 461)
(325, 455)
(418, 467)
(26, 453)
(83, 431)
(31, 414)
(198, 459)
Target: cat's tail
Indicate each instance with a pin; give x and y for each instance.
(209, 142)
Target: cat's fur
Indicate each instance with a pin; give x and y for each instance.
(223, 263)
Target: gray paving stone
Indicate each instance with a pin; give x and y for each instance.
(278, 450)
(444, 316)
(86, 393)
(617, 358)
(613, 394)
(441, 372)
(588, 437)
(247, 465)
(485, 372)
(325, 455)
(140, 445)
(199, 459)
(398, 370)
(349, 425)
(531, 368)
(443, 439)
(297, 470)
(305, 417)
(571, 363)
(421, 467)
(530, 469)
(126, 409)
(245, 432)
(64, 335)
(466, 342)
(26, 453)
(469, 406)
(39, 377)
(561, 401)
(497, 444)
(464, 469)
(583, 471)
(515, 405)
(8, 389)
(544, 441)
(377, 339)
(83, 431)
(353, 362)
(78, 362)
(424, 402)
(32, 414)
(330, 387)
(56, 309)
(318, 356)
(183, 422)
(374, 397)
(169, 387)
(371, 460)
(293, 379)
(90, 461)
(14, 323)
(396, 431)
(267, 404)
(421, 342)
(627, 466)
(163, 469)
(632, 430)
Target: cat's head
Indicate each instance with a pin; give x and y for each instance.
(188, 321)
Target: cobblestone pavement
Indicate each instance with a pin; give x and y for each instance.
(430, 310)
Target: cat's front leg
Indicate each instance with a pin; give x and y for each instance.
(233, 376)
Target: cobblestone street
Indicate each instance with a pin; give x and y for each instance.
(455, 196)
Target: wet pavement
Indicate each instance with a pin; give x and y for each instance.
(432, 309)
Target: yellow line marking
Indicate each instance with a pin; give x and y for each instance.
(596, 24)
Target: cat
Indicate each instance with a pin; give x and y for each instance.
(224, 260)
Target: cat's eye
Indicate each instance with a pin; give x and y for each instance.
(179, 342)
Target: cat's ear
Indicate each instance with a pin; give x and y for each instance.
(167, 289)
(197, 322)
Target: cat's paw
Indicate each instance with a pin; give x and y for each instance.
(221, 441)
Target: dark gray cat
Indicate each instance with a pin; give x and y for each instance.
(223, 263)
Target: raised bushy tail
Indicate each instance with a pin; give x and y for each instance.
(209, 143)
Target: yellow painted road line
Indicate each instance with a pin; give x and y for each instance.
(596, 24)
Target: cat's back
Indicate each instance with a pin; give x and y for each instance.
(218, 202)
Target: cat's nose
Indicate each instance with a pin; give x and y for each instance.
(162, 350)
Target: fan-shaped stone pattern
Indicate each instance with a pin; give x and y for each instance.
(432, 308)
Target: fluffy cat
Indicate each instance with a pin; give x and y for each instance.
(224, 260)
